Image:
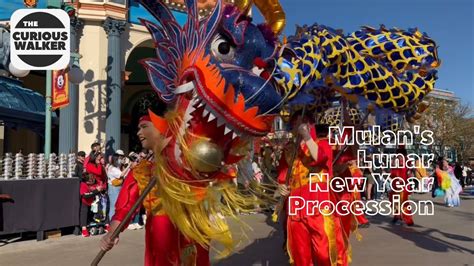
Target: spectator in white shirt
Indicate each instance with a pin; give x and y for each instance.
(465, 171)
(258, 175)
(114, 180)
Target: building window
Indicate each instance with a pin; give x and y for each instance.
(121, 2)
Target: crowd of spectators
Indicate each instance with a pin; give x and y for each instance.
(101, 181)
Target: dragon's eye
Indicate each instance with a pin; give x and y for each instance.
(222, 48)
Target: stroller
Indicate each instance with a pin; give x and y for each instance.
(99, 214)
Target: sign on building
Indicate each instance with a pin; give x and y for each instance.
(60, 92)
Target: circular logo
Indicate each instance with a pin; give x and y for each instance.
(40, 39)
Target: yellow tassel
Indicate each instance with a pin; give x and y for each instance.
(329, 229)
(197, 217)
(358, 235)
(194, 205)
(274, 217)
(288, 244)
(349, 254)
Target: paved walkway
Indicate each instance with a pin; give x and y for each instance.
(444, 239)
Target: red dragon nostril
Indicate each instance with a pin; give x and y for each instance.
(260, 63)
(265, 75)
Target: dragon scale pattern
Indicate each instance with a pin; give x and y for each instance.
(392, 68)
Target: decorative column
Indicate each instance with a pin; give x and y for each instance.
(114, 29)
(68, 115)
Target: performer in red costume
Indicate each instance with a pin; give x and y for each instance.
(357, 173)
(402, 172)
(282, 171)
(164, 244)
(314, 238)
(346, 167)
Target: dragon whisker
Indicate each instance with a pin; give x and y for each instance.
(263, 86)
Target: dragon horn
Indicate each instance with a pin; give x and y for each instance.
(270, 9)
(243, 5)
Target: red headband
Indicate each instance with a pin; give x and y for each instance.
(145, 118)
(158, 122)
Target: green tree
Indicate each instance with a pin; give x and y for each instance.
(452, 125)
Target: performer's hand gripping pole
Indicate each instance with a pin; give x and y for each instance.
(119, 228)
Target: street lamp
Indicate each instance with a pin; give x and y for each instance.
(5, 54)
(76, 75)
(17, 72)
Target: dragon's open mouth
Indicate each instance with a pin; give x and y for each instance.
(215, 120)
(192, 123)
(201, 119)
(221, 101)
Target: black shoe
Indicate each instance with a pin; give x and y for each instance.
(395, 220)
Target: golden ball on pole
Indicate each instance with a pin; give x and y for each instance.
(205, 156)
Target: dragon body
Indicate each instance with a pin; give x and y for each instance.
(389, 68)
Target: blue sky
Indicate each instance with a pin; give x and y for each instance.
(8, 6)
(449, 22)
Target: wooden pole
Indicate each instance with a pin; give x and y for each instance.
(122, 224)
(281, 203)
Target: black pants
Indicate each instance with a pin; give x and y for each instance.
(84, 214)
(463, 181)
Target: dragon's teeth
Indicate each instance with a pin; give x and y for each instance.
(177, 151)
(226, 130)
(205, 112)
(220, 121)
(187, 118)
(234, 135)
(183, 88)
(190, 108)
(211, 117)
(201, 104)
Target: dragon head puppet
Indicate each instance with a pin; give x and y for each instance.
(211, 74)
(206, 71)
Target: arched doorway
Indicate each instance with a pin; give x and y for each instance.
(137, 96)
(146, 100)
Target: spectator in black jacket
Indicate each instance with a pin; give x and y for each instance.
(79, 170)
(458, 173)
